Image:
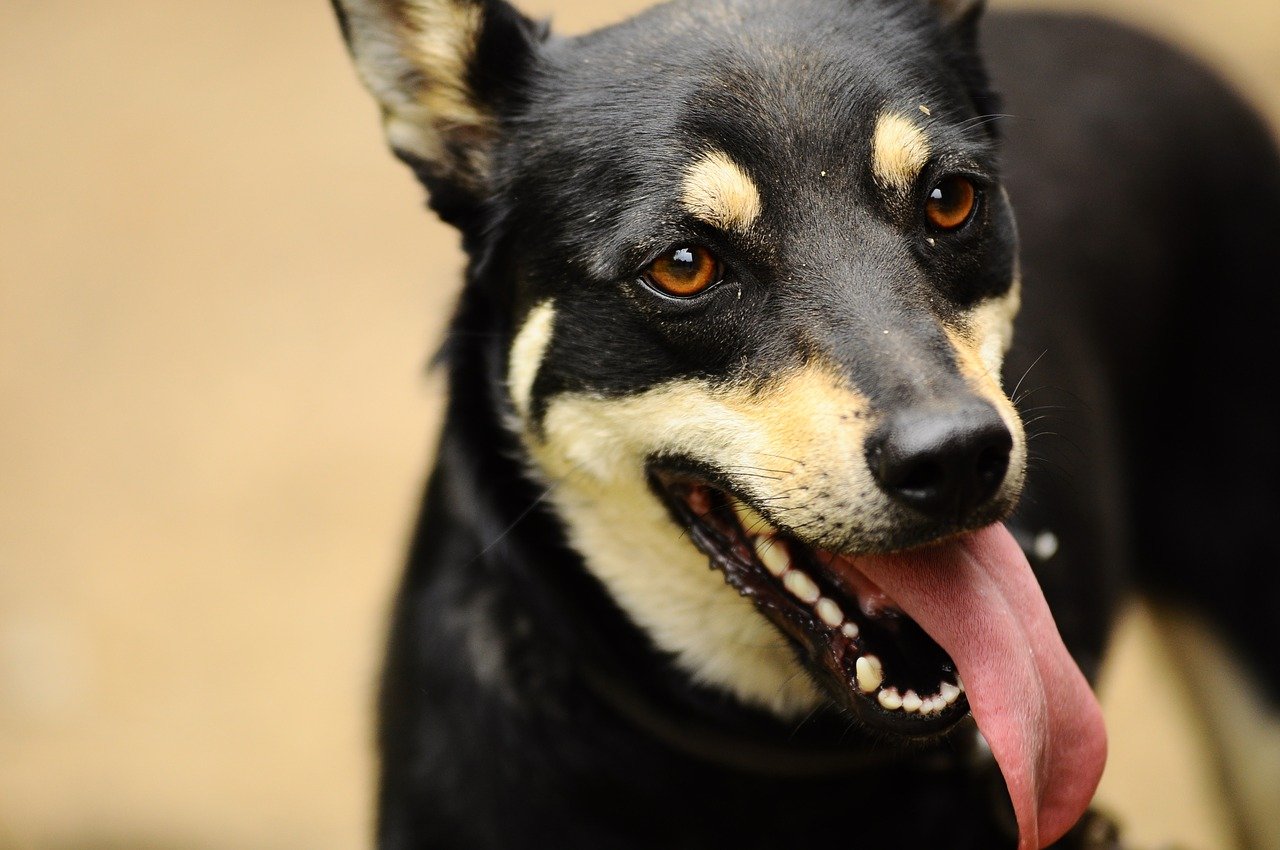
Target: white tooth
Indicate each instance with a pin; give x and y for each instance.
(890, 699)
(869, 677)
(876, 665)
(830, 613)
(936, 704)
(801, 586)
(850, 630)
(959, 683)
(911, 702)
(773, 554)
(751, 521)
(950, 693)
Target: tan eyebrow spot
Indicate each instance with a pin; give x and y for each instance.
(899, 151)
(719, 192)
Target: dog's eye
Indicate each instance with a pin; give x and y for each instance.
(951, 203)
(684, 271)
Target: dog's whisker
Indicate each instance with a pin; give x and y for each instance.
(1014, 395)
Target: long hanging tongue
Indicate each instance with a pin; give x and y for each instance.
(977, 597)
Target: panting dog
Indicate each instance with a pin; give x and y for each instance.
(788, 487)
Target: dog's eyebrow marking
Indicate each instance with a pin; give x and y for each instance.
(719, 192)
(527, 352)
(899, 151)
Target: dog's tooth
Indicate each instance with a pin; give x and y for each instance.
(870, 676)
(911, 702)
(801, 586)
(751, 521)
(890, 699)
(850, 630)
(830, 613)
(950, 693)
(877, 666)
(773, 554)
(959, 683)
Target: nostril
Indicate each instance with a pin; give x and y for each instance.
(944, 462)
(993, 463)
(921, 476)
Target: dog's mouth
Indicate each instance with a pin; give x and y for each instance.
(890, 635)
(871, 655)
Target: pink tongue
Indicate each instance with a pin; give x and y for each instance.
(977, 597)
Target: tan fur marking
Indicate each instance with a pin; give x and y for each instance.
(795, 445)
(980, 346)
(527, 352)
(899, 151)
(720, 193)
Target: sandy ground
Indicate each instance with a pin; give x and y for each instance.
(217, 296)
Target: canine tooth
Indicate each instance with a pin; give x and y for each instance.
(877, 666)
(850, 630)
(870, 676)
(773, 554)
(801, 586)
(950, 693)
(751, 521)
(890, 699)
(830, 613)
(911, 702)
(959, 683)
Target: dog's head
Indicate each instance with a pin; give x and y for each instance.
(756, 275)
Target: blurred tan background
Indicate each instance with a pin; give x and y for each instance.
(217, 297)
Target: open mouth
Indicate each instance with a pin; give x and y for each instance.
(869, 652)
(890, 635)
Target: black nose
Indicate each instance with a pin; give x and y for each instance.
(944, 461)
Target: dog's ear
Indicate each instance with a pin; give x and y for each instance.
(442, 72)
(958, 13)
(960, 19)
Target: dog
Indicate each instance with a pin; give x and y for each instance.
(788, 488)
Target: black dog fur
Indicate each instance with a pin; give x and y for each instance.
(521, 707)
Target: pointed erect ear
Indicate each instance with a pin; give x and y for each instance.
(442, 71)
(958, 13)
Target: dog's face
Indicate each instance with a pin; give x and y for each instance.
(760, 277)
(754, 275)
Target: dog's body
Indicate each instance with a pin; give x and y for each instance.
(558, 675)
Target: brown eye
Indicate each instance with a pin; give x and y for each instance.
(684, 271)
(951, 202)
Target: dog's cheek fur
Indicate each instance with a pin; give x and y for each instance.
(794, 445)
(981, 339)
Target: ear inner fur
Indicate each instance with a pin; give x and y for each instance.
(415, 57)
